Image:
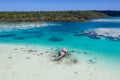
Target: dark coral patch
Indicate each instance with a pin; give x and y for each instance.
(55, 39)
(39, 35)
(113, 38)
(7, 35)
(90, 34)
(81, 33)
(19, 38)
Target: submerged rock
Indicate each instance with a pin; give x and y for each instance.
(19, 38)
(51, 48)
(39, 35)
(81, 33)
(78, 34)
(41, 53)
(94, 37)
(7, 35)
(85, 53)
(76, 72)
(9, 57)
(90, 61)
(46, 51)
(55, 39)
(36, 33)
(113, 38)
(95, 58)
(90, 34)
(32, 50)
(74, 61)
(38, 54)
(72, 51)
(28, 57)
(15, 49)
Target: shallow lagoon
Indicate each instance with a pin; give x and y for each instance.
(63, 34)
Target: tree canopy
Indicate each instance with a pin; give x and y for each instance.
(54, 16)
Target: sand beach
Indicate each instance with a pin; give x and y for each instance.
(25, 62)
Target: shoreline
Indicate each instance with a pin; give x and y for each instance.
(29, 62)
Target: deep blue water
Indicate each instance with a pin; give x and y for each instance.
(63, 35)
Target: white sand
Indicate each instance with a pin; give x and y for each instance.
(113, 32)
(24, 25)
(18, 63)
(105, 20)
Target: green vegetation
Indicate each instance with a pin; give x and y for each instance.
(54, 16)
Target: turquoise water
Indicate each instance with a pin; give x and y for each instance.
(62, 34)
(111, 19)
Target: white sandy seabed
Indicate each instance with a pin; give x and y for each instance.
(24, 25)
(108, 32)
(25, 62)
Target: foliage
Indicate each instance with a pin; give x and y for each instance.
(53, 16)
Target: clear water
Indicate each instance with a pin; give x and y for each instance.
(113, 19)
(64, 31)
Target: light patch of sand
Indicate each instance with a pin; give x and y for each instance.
(114, 32)
(24, 25)
(34, 63)
(105, 20)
